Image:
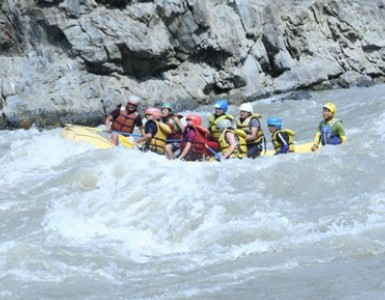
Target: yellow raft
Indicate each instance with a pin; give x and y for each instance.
(298, 148)
(97, 137)
(93, 136)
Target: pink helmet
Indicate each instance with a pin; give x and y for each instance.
(195, 119)
(154, 112)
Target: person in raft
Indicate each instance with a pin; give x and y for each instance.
(220, 113)
(249, 122)
(124, 119)
(232, 141)
(282, 139)
(194, 140)
(330, 130)
(155, 132)
(173, 121)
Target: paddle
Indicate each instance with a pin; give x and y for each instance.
(120, 133)
(103, 130)
(125, 142)
(217, 155)
(139, 135)
(125, 133)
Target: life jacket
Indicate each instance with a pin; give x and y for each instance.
(327, 134)
(158, 142)
(198, 150)
(277, 145)
(241, 149)
(245, 127)
(175, 129)
(125, 121)
(213, 121)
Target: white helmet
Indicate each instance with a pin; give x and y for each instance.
(224, 124)
(134, 100)
(246, 107)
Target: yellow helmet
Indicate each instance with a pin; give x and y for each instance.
(331, 107)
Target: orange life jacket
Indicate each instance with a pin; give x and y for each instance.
(125, 122)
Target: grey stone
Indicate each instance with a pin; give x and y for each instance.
(71, 60)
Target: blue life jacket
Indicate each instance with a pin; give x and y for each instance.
(327, 135)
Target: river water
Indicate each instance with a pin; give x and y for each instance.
(79, 223)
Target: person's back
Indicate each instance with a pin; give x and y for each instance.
(232, 141)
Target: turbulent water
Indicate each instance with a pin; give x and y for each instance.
(79, 223)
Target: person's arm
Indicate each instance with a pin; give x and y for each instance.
(150, 131)
(189, 138)
(232, 142)
(141, 129)
(253, 134)
(179, 123)
(108, 123)
(139, 124)
(317, 139)
(186, 150)
(255, 126)
(283, 142)
(145, 138)
(110, 119)
(341, 132)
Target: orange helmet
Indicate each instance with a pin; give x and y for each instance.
(195, 119)
(154, 112)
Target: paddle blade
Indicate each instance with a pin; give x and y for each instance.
(126, 141)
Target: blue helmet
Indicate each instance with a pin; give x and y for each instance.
(221, 104)
(276, 122)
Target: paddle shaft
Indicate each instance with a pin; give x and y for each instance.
(125, 133)
(216, 154)
(139, 135)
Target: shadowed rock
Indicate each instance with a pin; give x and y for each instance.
(61, 58)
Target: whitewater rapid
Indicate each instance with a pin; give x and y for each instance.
(80, 223)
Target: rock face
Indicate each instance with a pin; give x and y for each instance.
(69, 61)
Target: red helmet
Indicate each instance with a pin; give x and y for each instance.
(195, 119)
(154, 112)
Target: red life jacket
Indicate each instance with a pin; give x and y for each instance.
(125, 122)
(198, 149)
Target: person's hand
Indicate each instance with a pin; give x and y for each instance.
(314, 147)
(140, 145)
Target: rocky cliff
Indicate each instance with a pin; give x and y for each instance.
(65, 61)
